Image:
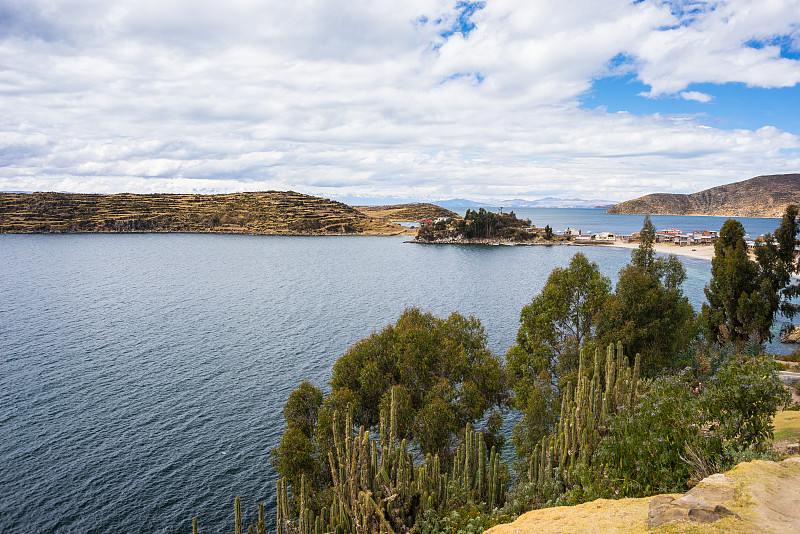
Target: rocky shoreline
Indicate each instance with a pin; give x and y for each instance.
(461, 240)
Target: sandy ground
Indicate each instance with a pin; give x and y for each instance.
(703, 252)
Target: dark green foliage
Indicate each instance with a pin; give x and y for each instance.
(302, 407)
(742, 398)
(480, 224)
(296, 455)
(544, 359)
(683, 430)
(417, 385)
(743, 295)
(486, 224)
(644, 256)
(642, 453)
(619, 436)
(738, 296)
(445, 374)
(776, 259)
(376, 486)
(649, 312)
(650, 319)
(548, 233)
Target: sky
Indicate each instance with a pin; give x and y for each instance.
(415, 100)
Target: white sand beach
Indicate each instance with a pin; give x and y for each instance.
(703, 252)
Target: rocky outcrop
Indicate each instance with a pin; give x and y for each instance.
(461, 240)
(755, 496)
(792, 336)
(665, 509)
(762, 196)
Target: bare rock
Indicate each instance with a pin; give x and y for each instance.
(665, 509)
(792, 336)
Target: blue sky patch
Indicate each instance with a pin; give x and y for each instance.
(463, 23)
(784, 42)
(477, 76)
(733, 105)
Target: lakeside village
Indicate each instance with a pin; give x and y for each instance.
(670, 236)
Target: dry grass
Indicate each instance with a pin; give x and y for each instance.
(787, 426)
(406, 212)
(764, 494)
(267, 212)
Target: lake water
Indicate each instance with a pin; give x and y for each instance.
(142, 376)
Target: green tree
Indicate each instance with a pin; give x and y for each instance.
(443, 376)
(296, 454)
(555, 325)
(644, 256)
(776, 259)
(648, 311)
(738, 294)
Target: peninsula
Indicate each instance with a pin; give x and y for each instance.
(483, 227)
(267, 212)
(762, 196)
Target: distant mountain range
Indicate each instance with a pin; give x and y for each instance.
(762, 196)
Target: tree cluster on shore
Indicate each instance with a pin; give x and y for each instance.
(482, 225)
(619, 393)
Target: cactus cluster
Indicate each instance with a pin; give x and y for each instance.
(567, 454)
(378, 488)
(476, 473)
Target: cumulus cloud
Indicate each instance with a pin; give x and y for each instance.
(426, 98)
(697, 96)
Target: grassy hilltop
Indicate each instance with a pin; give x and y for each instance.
(407, 212)
(268, 212)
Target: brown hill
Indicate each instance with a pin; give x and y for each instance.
(762, 196)
(407, 212)
(267, 212)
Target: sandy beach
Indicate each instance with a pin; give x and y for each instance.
(703, 252)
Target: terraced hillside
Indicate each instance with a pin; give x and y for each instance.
(762, 196)
(407, 212)
(268, 212)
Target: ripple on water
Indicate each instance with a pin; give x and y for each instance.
(144, 376)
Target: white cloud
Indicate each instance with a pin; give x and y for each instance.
(717, 46)
(697, 96)
(369, 98)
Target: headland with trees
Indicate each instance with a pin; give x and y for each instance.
(484, 227)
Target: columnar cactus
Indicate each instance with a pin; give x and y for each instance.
(585, 408)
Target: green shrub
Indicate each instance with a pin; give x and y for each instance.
(742, 398)
(643, 452)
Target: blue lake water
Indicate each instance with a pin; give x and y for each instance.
(143, 376)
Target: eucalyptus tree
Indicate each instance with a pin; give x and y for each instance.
(554, 327)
